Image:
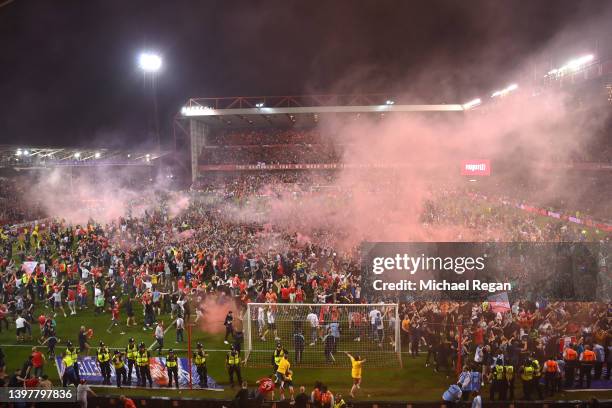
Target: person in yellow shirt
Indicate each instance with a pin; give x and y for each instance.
(356, 363)
(281, 373)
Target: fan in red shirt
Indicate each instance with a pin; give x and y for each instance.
(299, 295)
(38, 361)
(285, 294)
(271, 297)
(266, 387)
(127, 402)
(115, 316)
(31, 382)
(42, 319)
(71, 298)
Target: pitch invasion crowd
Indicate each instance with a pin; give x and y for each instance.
(168, 264)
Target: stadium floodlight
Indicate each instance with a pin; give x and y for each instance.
(77, 155)
(577, 63)
(149, 62)
(259, 105)
(471, 104)
(19, 152)
(97, 155)
(572, 65)
(505, 91)
(390, 102)
(194, 110)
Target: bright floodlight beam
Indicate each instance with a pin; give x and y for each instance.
(573, 65)
(505, 91)
(149, 62)
(471, 104)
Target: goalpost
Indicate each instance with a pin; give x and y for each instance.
(318, 335)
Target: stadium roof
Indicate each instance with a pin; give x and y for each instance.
(261, 111)
(40, 157)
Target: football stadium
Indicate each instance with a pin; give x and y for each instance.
(395, 248)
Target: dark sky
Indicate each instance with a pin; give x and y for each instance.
(68, 72)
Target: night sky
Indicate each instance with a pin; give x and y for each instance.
(69, 75)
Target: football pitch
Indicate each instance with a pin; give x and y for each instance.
(412, 382)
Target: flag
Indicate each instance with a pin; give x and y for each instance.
(499, 302)
(29, 267)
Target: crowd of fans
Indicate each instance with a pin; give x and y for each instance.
(169, 264)
(271, 154)
(269, 146)
(266, 137)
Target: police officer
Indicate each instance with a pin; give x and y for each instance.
(172, 366)
(103, 357)
(119, 364)
(68, 375)
(142, 361)
(526, 371)
(509, 375)
(131, 351)
(498, 385)
(277, 356)
(232, 362)
(199, 359)
(75, 359)
(537, 375)
(587, 361)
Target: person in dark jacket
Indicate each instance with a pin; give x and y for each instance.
(241, 400)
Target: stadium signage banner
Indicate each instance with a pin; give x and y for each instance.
(303, 166)
(476, 271)
(476, 168)
(547, 213)
(90, 371)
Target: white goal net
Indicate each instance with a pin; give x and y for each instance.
(319, 335)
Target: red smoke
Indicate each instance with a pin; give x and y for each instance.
(214, 309)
